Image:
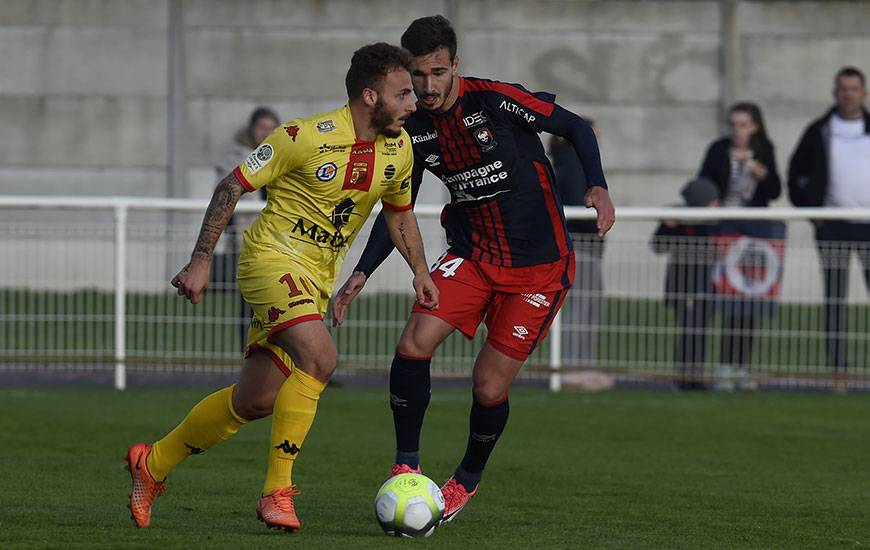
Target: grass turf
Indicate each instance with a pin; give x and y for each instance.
(623, 469)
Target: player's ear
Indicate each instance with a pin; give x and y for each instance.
(369, 97)
(455, 68)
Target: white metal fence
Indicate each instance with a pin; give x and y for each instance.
(84, 284)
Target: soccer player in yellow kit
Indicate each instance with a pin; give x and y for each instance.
(324, 175)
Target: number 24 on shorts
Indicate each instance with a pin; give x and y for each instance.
(447, 268)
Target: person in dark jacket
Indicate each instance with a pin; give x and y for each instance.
(743, 167)
(831, 167)
(687, 281)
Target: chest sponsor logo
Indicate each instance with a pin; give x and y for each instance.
(292, 131)
(332, 148)
(512, 107)
(318, 235)
(325, 126)
(536, 300)
(423, 137)
(342, 213)
(389, 171)
(461, 183)
(484, 138)
(474, 119)
(259, 158)
(432, 160)
(327, 171)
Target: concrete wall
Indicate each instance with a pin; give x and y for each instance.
(84, 87)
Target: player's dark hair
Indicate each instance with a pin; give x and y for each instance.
(850, 71)
(759, 142)
(371, 64)
(425, 35)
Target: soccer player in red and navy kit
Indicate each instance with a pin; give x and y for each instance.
(510, 260)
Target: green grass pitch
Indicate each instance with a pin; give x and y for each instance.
(622, 469)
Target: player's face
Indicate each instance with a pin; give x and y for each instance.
(435, 80)
(742, 128)
(394, 105)
(850, 95)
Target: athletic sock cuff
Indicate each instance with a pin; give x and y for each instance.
(232, 409)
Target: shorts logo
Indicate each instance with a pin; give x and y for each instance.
(520, 332)
(327, 171)
(325, 126)
(303, 301)
(484, 138)
(259, 158)
(389, 171)
(536, 300)
(432, 160)
(292, 131)
(275, 313)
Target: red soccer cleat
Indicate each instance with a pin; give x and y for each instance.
(278, 511)
(398, 469)
(145, 487)
(455, 499)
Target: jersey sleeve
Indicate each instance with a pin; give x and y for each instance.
(398, 197)
(285, 150)
(512, 102)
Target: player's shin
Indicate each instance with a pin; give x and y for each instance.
(410, 390)
(292, 416)
(486, 426)
(209, 422)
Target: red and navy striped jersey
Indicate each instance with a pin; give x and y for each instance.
(504, 208)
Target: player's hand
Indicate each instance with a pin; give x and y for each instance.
(346, 295)
(599, 199)
(192, 280)
(427, 292)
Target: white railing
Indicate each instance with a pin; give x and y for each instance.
(145, 248)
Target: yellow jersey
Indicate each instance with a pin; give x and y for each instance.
(322, 183)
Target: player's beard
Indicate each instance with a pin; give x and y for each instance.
(382, 119)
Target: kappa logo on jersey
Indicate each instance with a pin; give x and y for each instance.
(423, 137)
(517, 110)
(275, 313)
(520, 332)
(536, 300)
(474, 119)
(292, 131)
(325, 126)
(484, 138)
(389, 171)
(259, 158)
(342, 212)
(326, 172)
(432, 160)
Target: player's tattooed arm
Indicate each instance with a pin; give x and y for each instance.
(406, 236)
(193, 278)
(217, 216)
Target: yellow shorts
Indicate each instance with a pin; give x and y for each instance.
(281, 295)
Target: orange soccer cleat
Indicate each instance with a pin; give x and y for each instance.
(277, 510)
(455, 498)
(404, 469)
(145, 487)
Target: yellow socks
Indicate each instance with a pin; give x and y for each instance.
(209, 422)
(292, 417)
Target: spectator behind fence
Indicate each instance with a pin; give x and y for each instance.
(687, 281)
(742, 165)
(831, 167)
(583, 309)
(261, 123)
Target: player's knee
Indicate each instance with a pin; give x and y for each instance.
(253, 407)
(489, 393)
(411, 344)
(322, 365)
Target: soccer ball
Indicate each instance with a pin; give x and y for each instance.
(409, 505)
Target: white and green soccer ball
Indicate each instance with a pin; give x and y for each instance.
(409, 505)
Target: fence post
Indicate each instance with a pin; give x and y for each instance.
(556, 353)
(120, 295)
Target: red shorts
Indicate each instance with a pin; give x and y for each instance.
(517, 303)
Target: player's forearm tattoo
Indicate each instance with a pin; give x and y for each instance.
(217, 215)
